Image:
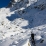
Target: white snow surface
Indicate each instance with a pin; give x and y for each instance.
(16, 25)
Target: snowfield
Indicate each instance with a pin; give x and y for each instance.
(20, 19)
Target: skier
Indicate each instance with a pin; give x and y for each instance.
(32, 39)
(32, 36)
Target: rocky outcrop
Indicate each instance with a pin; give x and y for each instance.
(11, 3)
(18, 3)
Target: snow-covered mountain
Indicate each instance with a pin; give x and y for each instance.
(21, 17)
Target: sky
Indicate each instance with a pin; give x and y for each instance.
(4, 3)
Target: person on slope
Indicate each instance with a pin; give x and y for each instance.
(32, 38)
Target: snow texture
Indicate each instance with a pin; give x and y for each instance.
(19, 19)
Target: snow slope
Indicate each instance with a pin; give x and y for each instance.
(19, 20)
